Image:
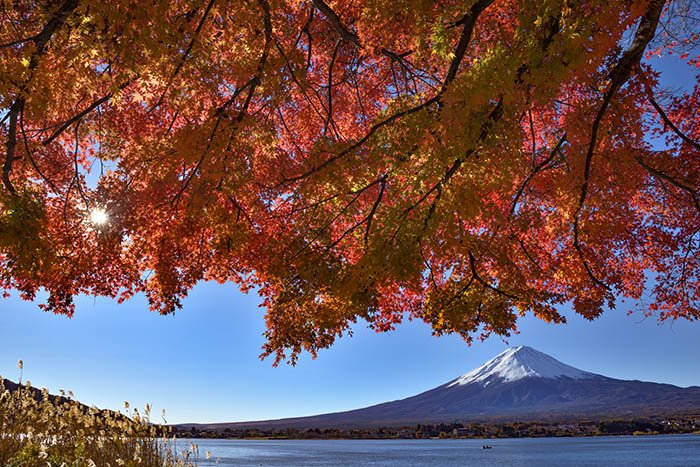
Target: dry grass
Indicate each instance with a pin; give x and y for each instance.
(40, 430)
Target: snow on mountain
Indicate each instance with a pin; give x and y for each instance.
(517, 363)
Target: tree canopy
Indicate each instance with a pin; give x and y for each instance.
(459, 162)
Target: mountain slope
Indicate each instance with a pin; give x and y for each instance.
(520, 383)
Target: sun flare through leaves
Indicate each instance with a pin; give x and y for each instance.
(459, 162)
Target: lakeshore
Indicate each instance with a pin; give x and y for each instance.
(689, 424)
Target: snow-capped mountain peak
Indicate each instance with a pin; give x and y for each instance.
(520, 362)
(519, 384)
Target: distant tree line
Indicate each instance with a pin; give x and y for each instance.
(676, 425)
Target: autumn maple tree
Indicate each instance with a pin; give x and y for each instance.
(459, 162)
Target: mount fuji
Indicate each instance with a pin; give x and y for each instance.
(520, 383)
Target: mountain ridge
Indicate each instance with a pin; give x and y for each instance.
(518, 384)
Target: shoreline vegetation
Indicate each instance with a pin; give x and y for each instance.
(38, 429)
(689, 424)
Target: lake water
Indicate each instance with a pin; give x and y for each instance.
(637, 451)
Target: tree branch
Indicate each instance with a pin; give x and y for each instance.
(667, 121)
(335, 21)
(83, 113)
(619, 75)
(659, 174)
(370, 216)
(534, 172)
(475, 274)
(185, 54)
(40, 41)
(468, 22)
(11, 144)
(252, 84)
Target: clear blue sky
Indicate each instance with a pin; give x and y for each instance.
(202, 363)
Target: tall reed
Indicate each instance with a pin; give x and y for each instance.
(41, 430)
